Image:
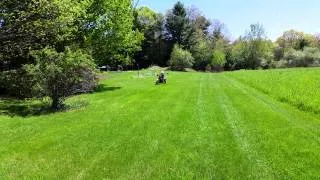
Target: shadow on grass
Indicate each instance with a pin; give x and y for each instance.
(13, 107)
(104, 88)
(25, 108)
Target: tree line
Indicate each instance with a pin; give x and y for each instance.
(185, 38)
(52, 48)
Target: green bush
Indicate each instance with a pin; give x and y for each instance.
(218, 60)
(312, 55)
(308, 57)
(202, 55)
(281, 64)
(60, 75)
(17, 83)
(180, 59)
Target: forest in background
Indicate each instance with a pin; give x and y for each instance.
(210, 47)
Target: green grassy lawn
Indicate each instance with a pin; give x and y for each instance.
(198, 126)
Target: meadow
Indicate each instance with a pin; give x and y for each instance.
(233, 125)
(298, 87)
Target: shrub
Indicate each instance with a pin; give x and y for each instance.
(265, 64)
(202, 55)
(17, 83)
(308, 57)
(312, 55)
(180, 59)
(281, 64)
(295, 58)
(60, 75)
(218, 60)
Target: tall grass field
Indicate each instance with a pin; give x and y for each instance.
(233, 125)
(298, 87)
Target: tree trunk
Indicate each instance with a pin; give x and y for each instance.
(56, 103)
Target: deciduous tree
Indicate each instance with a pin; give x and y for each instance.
(32, 25)
(111, 34)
